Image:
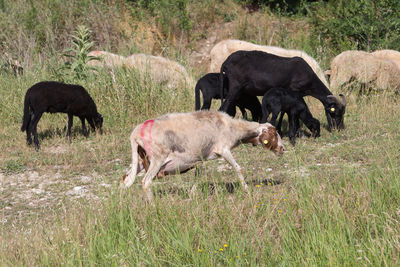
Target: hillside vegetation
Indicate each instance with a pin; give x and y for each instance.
(330, 201)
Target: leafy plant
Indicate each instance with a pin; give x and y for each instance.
(78, 53)
(365, 25)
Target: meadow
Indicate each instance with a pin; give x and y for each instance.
(330, 201)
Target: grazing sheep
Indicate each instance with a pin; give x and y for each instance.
(107, 59)
(175, 143)
(365, 68)
(56, 97)
(388, 54)
(255, 72)
(209, 85)
(161, 70)
(220, 52)
(284, 100)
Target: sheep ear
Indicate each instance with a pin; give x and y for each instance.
(337, 100)
(344, 101)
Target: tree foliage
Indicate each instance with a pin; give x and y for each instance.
(357, 24)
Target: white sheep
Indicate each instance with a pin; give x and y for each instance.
(388, 54)
(366, 68)
(161, 70)
(223, 49)
(107, 59)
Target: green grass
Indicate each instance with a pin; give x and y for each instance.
(329, 201)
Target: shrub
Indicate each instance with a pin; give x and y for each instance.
(364, 24)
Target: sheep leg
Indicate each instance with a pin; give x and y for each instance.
(292, 128)
(273, 118)
(154, 168)
(227, 155)
(28, 130)
(84, 130)
(33, 127)
(279, 126)
(230, 99)
(244, 113)
(265, 112)
(70, 122)
(206, 103)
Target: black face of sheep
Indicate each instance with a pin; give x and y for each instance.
(96, 122)
(56, 97)
(335, 112)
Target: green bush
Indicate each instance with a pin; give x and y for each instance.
(363, 24)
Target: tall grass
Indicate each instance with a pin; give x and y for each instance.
(331, 201)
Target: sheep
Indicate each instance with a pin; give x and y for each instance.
(209, 87)
(388, 54)
(220, 52)
(52, 97)
(284, 100)
(175, 143)
(161, 70)
(365, 68)
(255, 72)
(107, 59)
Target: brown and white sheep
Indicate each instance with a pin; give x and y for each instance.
(175, 143)
(365, 68)
(220, 52)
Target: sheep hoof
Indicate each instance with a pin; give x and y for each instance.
(293, 141)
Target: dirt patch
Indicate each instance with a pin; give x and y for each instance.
(33, 193)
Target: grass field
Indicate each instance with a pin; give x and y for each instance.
(330, 201)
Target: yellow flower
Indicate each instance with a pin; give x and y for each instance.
(280, 211)
(284, 199)
(255, 206)
(226, 245)
(257, 185)
(244, 253)
(221, 249)
(215, 251)
(199, 250)
(237, 257)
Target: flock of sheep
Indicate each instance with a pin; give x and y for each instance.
(239, 72)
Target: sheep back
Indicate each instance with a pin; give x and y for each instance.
(365, 68)
(50, 96)
(220, 52)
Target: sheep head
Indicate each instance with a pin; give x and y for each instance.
(335, 110)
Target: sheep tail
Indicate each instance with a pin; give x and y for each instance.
(197, 96)
(26, 117)
(130, 177)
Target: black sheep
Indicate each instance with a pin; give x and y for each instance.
(209, 85)
(291, 102)
(256, 72)
(53, 97)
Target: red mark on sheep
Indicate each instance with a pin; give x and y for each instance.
(147, 124)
